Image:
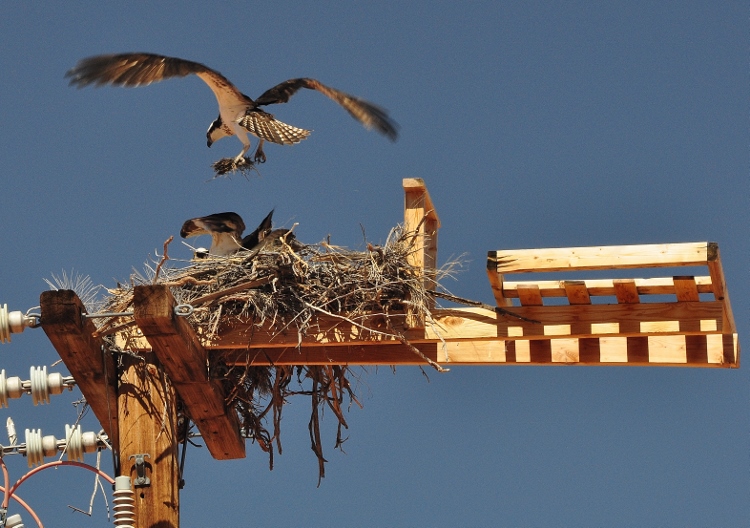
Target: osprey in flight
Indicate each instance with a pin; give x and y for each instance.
(226, 233)
(238, 113)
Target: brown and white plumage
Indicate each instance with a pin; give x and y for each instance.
(238, 113)
(226, 233)
(225, 230)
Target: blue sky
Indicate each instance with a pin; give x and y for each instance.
(534, 124)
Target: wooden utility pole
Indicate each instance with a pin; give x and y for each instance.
(147, 417)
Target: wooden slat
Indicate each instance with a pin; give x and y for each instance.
(604, 287)
(183, 357)
(94, 370)
(713, 350)
(577, 292)
(624, 320)
(685, 289)
(603, 257)
(626, 291)
(529, 295)
(629, 319)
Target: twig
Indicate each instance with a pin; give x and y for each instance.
(478, 304)
(189, 280)
(244, 286)
(401, 337)
(164, 258)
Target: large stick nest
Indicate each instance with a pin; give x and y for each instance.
(286, 288)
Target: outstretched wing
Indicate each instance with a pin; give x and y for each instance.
(142, 69)
(370, 115)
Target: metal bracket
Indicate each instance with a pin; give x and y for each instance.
(181, 310)
(140, 470)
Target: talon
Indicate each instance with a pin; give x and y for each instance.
(260, 156)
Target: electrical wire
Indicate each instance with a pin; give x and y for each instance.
(25, 506)
(60, 463)
(6, 479)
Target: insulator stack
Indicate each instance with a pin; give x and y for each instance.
(10, 388)
(13, 323)
(40, 385)
(75, 444)
(124, 503)
(14, 521)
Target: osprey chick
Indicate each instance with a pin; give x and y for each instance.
(238, 113)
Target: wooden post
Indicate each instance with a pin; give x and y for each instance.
(421, 217)
(148, 423)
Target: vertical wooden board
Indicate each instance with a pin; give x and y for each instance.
(613, 349)
(731, 348)
(529, 295)
(626, 291)
(686, 289)
(667, 349)
(172, 338)
(420, 217)
(496, 283)
(522, 350)
(565, 350)
(577, 292)
(719, 286)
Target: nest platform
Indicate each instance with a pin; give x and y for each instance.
(678, 320)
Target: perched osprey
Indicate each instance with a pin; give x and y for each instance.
(226, 233)
(238, 113)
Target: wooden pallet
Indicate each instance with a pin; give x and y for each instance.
(677, 320)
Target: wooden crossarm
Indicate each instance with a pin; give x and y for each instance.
(183, 357)
(92, 367)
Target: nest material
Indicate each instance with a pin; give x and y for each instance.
(230, 165)
(287, 290)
